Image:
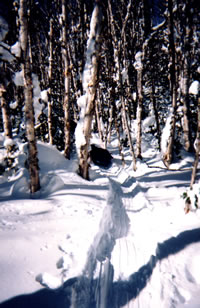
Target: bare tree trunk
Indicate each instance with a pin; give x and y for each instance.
(128, 134)
(153, 100)
(5, 113)
(117, 47)
(50, 72)
(6, 123)
(139, 113)
(185, 102)
(197, 148)
(168, 155)
(28, 93)
(67, 75)
(98, 118)
(186, 33)
(90, 78)
(119, 143)
(110, 121)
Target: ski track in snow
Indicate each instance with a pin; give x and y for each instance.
(155, 259)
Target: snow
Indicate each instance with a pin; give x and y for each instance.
(166, 132)
(138, 61)
(38, 106)
(91, 46)
(122, 225)
(158, 25)
(194, 88)
(18, 79)
(44, 96)
(16, 49)
(8, 142)
(124, 74)
(149, 122)
(37, 94)
(87, 76)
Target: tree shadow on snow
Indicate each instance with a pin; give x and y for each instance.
(123, 292)
(81, 292)
(168, 178)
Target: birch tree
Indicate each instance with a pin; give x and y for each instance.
(67, 75)
(50, 75)
(5, 112)
(28, 95)
(185, 34)
(168, 155)
(197, 147)
(139, 67)
(90, 80)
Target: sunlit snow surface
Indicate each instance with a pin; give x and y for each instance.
(73, 227)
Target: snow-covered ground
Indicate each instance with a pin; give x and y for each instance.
(125, 235)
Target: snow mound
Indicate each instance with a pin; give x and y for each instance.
(51, 183)
(48, 280)
(113, 225)
(20, 188)
(50, 159)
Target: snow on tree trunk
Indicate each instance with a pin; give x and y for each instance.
(153, 100)
(117, 48)
(139, 67)
(28, 95)
(185, 74)
(67, 75)
(50, 101)
(90, 79)
(197, 148)
(168, 155)
(185, 102)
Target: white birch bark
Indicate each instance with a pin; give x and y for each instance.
(5, 113)
(168, 155)
(90, 78)
(67, 76)
(28, 95)
(197, 148)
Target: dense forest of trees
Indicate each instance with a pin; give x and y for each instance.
(100, 66)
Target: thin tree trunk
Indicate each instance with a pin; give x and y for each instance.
(90, 79)
(5, 113)
(50, 73)
(98, 118)
(67, 75)
(128, 134)
(117, 47)
(197, 153)
(119, 143)
(186, 32)
(153, 100)
(185, 102)
(139, 113)
(168, 155)
(28, 93)
(110, 121)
